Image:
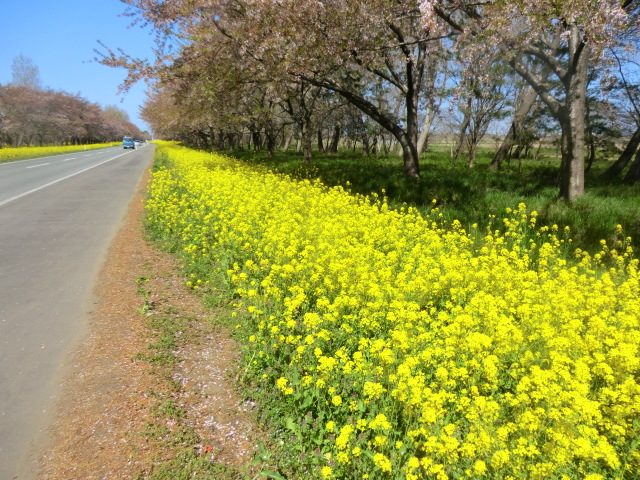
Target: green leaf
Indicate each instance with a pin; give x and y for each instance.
(272, 475)
(308, 401)
(291, 425)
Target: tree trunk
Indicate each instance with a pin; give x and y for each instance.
(463, 131)
(426, 129)
(625, 157)
(473, 145)
(411, 162)
(366, 147)
(519, 116)
(385, 146)
(307, 139)
(287, 143)
(592, 152)
(270, 141)
(320, 142)
(517, 152)
(335, 139)
(573, 120)
(410, 153)
(204, 139)
(633, 175)
(257, 141)
(212, 136)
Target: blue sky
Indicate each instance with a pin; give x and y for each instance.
(60, 38)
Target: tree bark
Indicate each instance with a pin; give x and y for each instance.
(625, 157)
(426, 129)
(257, 141)
(411, 157)
(307, 139)
(528, 99)
(411, 161)
(366, 147)
(592, 153)
(471, 161)
(633, 175)
(573, 120)
(204, 139)
(335, 139)
(287, 143)
(463, 130)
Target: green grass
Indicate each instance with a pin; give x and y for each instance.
(179, 458)
(471, 195)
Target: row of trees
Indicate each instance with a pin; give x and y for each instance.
(46, 117)
(335, 67)
(32, 115)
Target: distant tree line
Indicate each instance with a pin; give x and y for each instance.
(32, 115)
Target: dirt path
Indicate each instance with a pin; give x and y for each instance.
(110, 393)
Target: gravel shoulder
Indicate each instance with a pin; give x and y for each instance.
(111, 393)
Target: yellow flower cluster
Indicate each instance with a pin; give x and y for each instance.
(8, 154)
(427, 352)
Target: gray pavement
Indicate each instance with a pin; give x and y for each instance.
(54, 234)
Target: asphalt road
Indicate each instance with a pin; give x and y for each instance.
(58, 216)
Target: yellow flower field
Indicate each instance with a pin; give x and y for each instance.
(392, 346)
(8, 154)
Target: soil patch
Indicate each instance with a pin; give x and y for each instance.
(109, 396)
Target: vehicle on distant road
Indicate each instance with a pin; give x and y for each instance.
(127, 142)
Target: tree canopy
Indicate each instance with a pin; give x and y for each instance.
(228, 66)
(34, 116)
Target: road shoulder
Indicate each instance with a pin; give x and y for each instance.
(108, 413)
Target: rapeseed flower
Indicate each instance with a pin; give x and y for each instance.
(497, 357)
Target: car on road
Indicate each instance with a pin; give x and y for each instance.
(127, 142)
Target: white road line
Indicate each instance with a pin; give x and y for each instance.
(59, 180)
(40, 165)
(67, 159)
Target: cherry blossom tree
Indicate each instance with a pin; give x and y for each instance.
(565, 36)
(353, 47)
(346, 46)
(18, 104)
(34, 116)
(343, 46)
(626, 94)
(160, 111)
